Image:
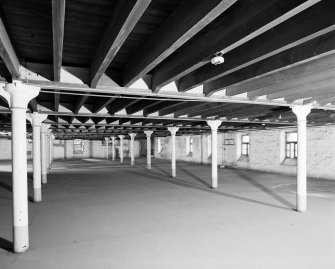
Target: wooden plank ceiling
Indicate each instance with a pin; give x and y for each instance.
(108, 67)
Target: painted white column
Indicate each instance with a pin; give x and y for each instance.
(106, 147)
(36, 120)
(121, 147)
(132, 146)
(18, 96)
(52, 139)
(301, 112)
(44, 153)
(113, 148)
(214, 124)
(173, 131)
(48, 135)
(148, 134)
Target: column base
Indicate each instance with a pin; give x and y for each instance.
(214, 184)
(173, 173)
(149, 166)
(37, 195)
(132, 163)
(20, 238)
(301, 203)
(44, 178)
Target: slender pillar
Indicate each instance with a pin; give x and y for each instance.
(36, 120)
(52, 139)
(113, 148)
(132, 145)
(18, 96)
(214, 124)
(173, 131)
(148, 134)
(106, 147)
(44, 153)
(121, 148)
(48, 135)
(301, 112)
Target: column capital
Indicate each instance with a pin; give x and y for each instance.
(106, 138)
(214, 124)
(36, 118)
(45, 127)
(301, 111)
(173, 130)
(121, 137)
(113, 138)
(148, 133)
(18, 95)
(132, 135)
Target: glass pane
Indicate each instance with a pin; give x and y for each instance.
(291, 137)
(245, 139)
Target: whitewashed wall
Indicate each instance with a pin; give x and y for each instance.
(267, 151)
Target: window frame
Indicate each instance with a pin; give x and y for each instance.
(291, 147)
(245, 146)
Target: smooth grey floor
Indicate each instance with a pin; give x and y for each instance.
(100, 214)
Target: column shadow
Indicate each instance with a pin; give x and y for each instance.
(264, 189)
(6, 245)
(8, 186)
(158, 177)
(200, 180)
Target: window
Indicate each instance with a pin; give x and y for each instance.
(245, 145)
(291, 145)
(159, 145)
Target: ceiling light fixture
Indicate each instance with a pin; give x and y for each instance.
(217, 59)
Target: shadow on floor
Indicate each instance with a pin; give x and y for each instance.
(6, 245)
(7, 185)
(195, 177)
(179, 182)
(261, 187)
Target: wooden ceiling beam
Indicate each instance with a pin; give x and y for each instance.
(186, 21)
(125, 17)
(7, 53)
(141, 105)
(58, 19)
(245, 21)
(303, 27)
(236, 83)
(197, 107)
(101, 103)
(288, 79)
(157, 107)
(309, 89)
(174, 108)
(119, 104)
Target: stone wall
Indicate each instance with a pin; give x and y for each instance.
(267, 151)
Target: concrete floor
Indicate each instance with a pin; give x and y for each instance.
(96, 214)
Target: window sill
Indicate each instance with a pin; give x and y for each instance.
(290, 162)
(243, 158)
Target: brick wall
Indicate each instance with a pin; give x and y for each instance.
(267, 151)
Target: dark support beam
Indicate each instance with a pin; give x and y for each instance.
(157, 107)
(189, 18)
(125, 17)
(324, 44)
(119, 104)
(7, 53)
(141, 105)
(58, 18)
(303, 27)
(245, 21)
(102, 103)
